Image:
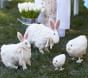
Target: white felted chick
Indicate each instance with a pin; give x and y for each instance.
(58, 61)
(77, 47)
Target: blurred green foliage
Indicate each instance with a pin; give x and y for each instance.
(30, 14)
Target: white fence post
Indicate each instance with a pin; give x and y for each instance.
(76, 7)
(1, 3)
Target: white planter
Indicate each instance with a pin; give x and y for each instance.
(62, 32)
(27, 21)
(41, 17)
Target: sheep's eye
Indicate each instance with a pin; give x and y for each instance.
(26, 43)
(56, 61)
(53, 33)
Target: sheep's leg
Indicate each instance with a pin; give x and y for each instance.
(29, 62)
(10, 65)
(39, 46)
(79, 60)
(23, 64)
(50, 43)
(73, 58)
(51, 46)
(41, 51)
(47, 43)
(61, 69)
(46, 49)
(56, 68)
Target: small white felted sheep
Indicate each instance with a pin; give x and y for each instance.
(40, 35)
(58, 61)
(77, 47)
(19, 53)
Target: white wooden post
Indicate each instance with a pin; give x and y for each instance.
(38, 3)
(76, 7)
(1, 3)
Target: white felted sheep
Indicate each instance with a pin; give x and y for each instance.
(77, 47)
(58, 61)
(20, 53)
(40, 35)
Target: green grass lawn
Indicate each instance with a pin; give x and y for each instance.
(42, 64)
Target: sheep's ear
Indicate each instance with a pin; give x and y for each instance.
(54, 24)
(51, 23)
(19, 36)
(26, 35)
(57, 24)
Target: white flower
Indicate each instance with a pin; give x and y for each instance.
(24, 5)
(19, 7)
(27, 7)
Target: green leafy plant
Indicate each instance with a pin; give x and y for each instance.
(29, 10)
(30, 14)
